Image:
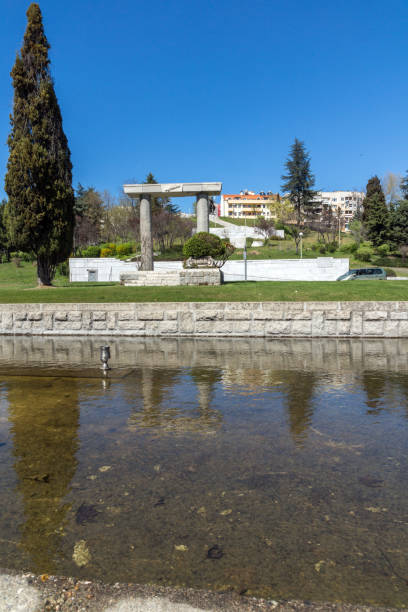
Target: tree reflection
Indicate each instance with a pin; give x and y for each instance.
(374, 385)
(166, 402)
(45, 417)
(299, 387)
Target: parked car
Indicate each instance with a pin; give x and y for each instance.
(364, 274)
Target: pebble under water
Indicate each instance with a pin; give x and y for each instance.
(276, 468)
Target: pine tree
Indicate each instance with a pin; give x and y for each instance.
(298, 185)
(373, 188)
(39, 170)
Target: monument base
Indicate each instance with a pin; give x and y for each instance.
(172, 278)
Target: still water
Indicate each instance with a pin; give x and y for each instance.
(272, 468)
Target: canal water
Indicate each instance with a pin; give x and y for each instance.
(269, 468)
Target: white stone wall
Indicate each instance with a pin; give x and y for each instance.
(107, 268)
(169, 277)
(264, 319)
(322, 268)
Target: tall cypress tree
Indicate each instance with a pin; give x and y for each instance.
(376, 216)
(373, 188)
(39, 170)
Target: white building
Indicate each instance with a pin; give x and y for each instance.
(347, 201)
(246, 204)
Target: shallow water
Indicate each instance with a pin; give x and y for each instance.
(271, 468)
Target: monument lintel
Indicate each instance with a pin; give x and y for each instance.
(173, 189)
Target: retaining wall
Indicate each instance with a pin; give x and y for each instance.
(264, 319)
(320, 268)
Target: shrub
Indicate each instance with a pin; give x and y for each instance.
(63, 268)
(125, 249)
(383, 250)
(109, 248)
(16, 261)
(92, 251)
(331, 247)
(203, 244)
(390, 272)
(364, 253)
(322, 249)
(106, 252)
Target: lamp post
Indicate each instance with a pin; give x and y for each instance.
(301, 244)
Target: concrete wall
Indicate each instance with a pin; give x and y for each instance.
(107, 268)
(265, 319)
(322, 268)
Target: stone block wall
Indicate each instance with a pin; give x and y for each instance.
(262, 319)
(169, 278)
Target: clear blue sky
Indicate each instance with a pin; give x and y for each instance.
(218, 89)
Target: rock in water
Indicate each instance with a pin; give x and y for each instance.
(215, 552)
(86, 513)
(81, 554)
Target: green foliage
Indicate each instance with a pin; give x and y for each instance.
(299, 181)
(40, 210)
(91, 251)
(108, 250)
(203, 244)
(364, 253)
(390, 272)
(332, 247)
(63, 268)
(399, 224)
(350, 247)
(126, 248)
(377, 220)
(383, 250)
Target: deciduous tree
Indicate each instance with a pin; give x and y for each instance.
(39, 171)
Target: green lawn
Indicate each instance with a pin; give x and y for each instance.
(17, 285)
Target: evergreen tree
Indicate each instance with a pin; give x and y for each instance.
(376, 216)
(399, 224)
(373, 188)
(5, 245)
(39, 170)
(377, 223)
(298, 185)
(404, 187)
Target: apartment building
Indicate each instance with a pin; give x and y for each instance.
(347, 201)
(246, 204)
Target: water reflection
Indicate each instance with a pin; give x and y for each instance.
(289, 457)
(45, 419)
(165, 405)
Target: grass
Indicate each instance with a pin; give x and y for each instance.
(18, 285)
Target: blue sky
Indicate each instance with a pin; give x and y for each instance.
(218, 90)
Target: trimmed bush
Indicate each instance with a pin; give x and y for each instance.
(203, 244)
(390, 272)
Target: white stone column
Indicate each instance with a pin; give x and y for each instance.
(203, 223)
(146, 241)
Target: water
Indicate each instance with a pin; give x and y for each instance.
(271, 468)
